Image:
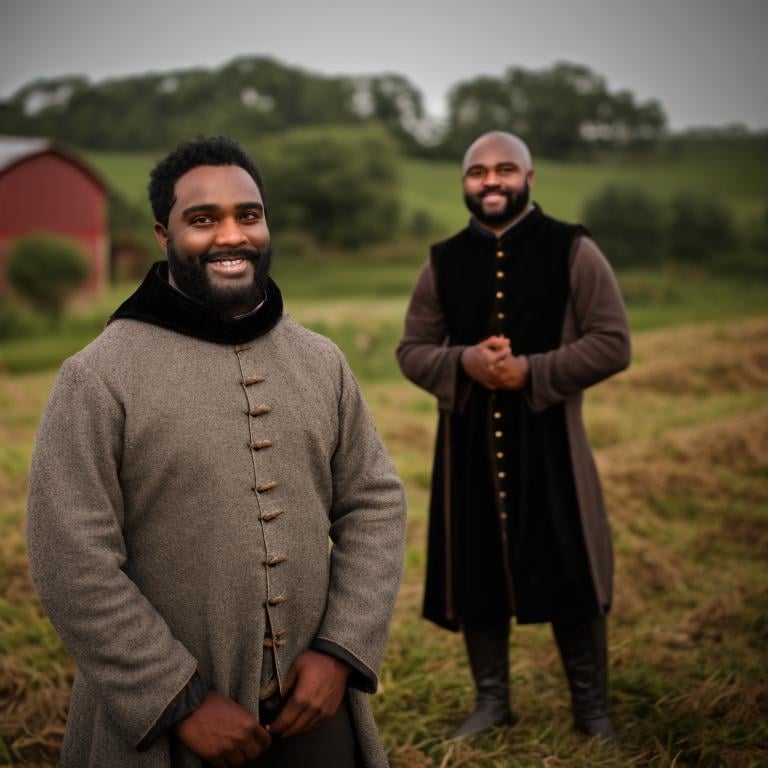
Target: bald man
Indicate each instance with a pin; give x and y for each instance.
(509, 321)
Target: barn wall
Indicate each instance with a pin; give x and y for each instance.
(49, 193)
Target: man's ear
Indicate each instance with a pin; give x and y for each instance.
(161, 235)
(531, 180)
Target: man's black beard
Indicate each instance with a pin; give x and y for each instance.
(191, 278)
(516, 204)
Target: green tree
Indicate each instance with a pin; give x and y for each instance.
(628, 225)
(338, 185)
(561, 111)
(46, 270)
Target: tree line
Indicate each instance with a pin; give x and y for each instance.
(562, 111)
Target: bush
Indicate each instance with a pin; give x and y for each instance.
(702, 233)
(46, 270)
(338, 186)
(628, 225)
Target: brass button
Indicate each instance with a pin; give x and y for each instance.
(503, 515)
(499, 254)
(502, 475)
(502, 494)
(498, 433)
(275, 560)
(242, 347)
(260, 410)
(500, 275)
(497, 415)
(276, 600)
(266, 486)
(254, 379)
(501, 315)
(499, 455)
(257, 445)
(271, 515)
(499, 294)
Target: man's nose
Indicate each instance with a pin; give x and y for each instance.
(491, 178)
(230, 233)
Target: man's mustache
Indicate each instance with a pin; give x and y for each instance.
(495, 191)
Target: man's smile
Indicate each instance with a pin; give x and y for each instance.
(230, 267)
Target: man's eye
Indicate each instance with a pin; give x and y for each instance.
(475, 173)
(250, 217)
(506, 170)
(201, 221)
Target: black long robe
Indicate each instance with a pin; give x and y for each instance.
(504, 535)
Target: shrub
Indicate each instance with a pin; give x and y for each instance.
(46, 270)
(628, 225)
(752, 258)
(702, 233)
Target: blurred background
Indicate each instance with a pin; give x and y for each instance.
(648, 123)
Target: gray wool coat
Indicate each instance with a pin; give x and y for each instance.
(595, 343)
(182, 497)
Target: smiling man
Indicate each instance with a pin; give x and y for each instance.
(509, 321)
(191, 467)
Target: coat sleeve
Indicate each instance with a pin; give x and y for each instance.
(77, 554)
(423, 353)
(368, 534)
(602, 344)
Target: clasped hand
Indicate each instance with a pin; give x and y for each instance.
(491, 363)
(225, 734)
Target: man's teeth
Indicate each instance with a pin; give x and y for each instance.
(230, 262)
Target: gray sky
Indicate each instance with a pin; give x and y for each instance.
(705, 60)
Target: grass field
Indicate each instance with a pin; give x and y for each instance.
(682, 441)
(682, 444)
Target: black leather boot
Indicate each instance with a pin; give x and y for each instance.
(488, 651)
(583, 649)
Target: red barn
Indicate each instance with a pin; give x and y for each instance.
(46, 188)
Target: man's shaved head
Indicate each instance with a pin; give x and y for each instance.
(499, 142)
(497, 174)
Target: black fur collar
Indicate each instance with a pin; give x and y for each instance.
(156, 302)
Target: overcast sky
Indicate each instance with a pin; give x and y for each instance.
(705, 60)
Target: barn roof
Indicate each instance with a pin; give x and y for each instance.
(14, 149)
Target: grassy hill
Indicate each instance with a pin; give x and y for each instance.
(734, 173)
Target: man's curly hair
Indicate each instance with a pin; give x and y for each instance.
(204, 150)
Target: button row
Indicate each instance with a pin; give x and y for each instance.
(277, 639)
(501, 475)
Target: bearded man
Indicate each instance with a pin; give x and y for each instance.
(509, 321)
(191, 469)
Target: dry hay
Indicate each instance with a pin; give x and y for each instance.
(688, 460)
(699, 359)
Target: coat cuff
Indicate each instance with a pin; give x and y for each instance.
(361, 678)
(187, 701)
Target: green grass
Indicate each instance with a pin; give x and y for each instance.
(360, 304)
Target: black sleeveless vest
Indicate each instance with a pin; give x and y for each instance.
(518, 285)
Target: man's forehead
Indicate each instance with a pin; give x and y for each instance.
(494, 149)
(215, 184)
